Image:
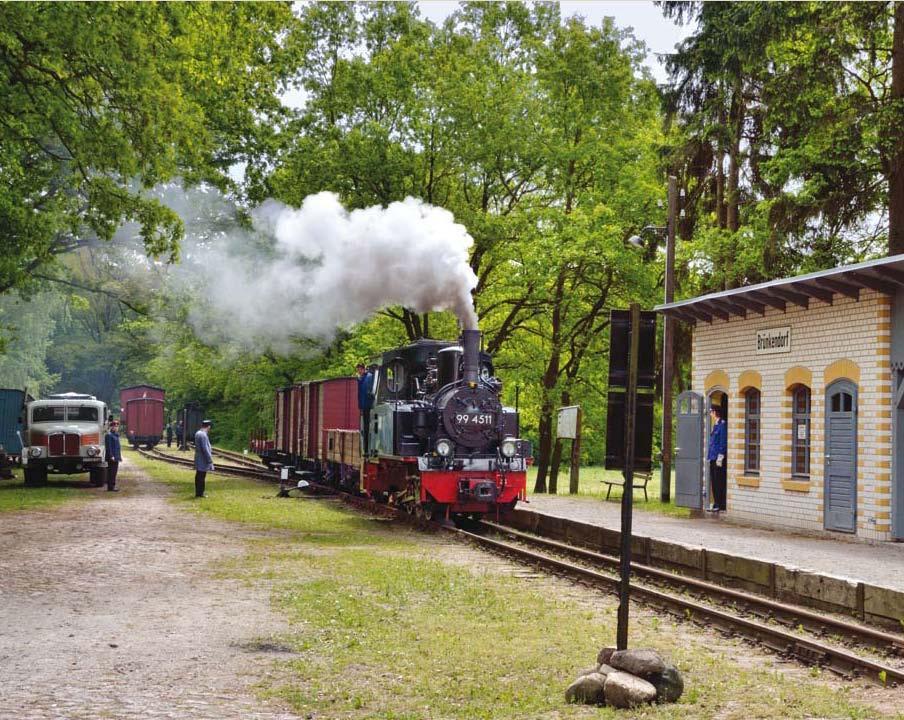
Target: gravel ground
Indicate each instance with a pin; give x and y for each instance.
(111, 609)
(874, 563)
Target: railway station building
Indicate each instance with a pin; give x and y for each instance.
(809, 371)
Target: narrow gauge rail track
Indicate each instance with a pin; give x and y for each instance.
(785, 643)
(779, 640)
(223, 469)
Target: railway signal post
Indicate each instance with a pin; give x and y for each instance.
(627, 505)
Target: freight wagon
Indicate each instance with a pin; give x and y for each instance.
(315, 420)
(142, 414)
(12, 405)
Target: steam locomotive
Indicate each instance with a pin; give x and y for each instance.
(439, 442)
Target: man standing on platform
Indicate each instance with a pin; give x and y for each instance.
(716, 454)
(203, 457)
(169, 434)
(113, 450)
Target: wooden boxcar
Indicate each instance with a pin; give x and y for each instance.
(306, 415)
(141, 410)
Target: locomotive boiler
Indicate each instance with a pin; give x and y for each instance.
(439, 440)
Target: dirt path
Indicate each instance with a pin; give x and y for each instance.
(110, 609)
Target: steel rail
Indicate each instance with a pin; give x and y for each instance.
(222, 469)
(766, 608)
(807, 651)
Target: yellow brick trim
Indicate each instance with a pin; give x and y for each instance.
(883, 427)
(847, 369)
(882, 502)
(749, 481)
(881, 464)
(798, 376)
(882, 515)
(883, 414)
(796, 485)
(750, 379)
(717, 378)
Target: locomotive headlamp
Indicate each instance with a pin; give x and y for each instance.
(34, 452)
(508, 447)
(444, 447)
(93, 451)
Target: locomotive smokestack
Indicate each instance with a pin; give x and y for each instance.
(470, 340)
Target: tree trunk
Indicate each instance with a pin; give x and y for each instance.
(733, 200)
(554, 467)
(545, 432)
(896, 161)
(720, 171)
(557, 451)
(550, 379)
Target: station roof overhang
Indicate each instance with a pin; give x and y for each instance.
(885, 275)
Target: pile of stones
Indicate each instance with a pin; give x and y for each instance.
(627, 678)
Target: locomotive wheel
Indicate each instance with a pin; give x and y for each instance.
(429, 510)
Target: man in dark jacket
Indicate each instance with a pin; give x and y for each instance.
(114, 455)
(717, 455)
(365, 402)
(203, 457)
(169, 434)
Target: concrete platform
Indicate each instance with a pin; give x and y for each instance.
(854, 577)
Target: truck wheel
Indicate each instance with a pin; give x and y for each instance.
(98, 476)
(35, 476)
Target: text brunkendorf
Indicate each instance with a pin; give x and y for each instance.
(774, 340)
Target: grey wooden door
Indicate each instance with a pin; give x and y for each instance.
(841, 457)
(689, 451)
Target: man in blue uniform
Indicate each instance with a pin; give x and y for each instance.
(113, 452)
(365, 401)
(717, 454)
(203, 457)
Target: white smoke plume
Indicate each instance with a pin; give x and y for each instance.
(309, 271)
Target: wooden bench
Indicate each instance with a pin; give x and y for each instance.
(644, 477)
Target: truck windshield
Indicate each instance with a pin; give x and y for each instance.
(84, 413)
(48, 413)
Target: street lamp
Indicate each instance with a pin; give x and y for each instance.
(637, 240)
(668, 365)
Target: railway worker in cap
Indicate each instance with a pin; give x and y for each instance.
(203, 457)
(169, 434)
(365, 401)
(716, 454)
(113, 451)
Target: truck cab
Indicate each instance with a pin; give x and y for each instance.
(64, 435)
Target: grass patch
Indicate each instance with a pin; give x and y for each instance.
(383, 628)
(592, 486)
(14, 496)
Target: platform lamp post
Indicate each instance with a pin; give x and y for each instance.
(668, 333)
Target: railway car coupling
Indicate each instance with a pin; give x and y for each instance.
(477, 490)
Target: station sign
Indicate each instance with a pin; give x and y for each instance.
(773, 341)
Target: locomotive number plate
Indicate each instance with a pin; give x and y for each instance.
(475, 419)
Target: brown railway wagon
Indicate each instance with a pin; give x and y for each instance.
(338, 410)
(306, 412)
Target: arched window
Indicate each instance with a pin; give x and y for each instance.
(800, 431)
(752, 431)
